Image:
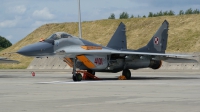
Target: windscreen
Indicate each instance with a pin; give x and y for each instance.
(53, 37)
(65, 36)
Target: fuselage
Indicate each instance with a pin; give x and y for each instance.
(101, 63)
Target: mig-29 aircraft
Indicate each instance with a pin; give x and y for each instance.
(115, 57)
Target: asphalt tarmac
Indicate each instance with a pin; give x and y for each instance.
(54, 91)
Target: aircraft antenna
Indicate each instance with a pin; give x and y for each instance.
(79, 17)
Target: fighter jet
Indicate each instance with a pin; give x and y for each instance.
(115, 57)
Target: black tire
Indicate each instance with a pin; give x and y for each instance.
(79, 77)
(126, 73)
(74, 78)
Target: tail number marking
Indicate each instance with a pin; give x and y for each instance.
(98, 61)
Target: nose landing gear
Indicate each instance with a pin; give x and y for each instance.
(77, 77)
(90, 74)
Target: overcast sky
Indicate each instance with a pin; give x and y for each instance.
(18, 18)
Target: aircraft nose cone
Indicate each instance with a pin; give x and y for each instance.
(24, 50)
(37, 49)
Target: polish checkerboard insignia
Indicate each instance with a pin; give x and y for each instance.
(156, 40)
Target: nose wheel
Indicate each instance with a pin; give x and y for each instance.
(77, 77)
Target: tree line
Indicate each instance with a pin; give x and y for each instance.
(125, 15)
(4, 43)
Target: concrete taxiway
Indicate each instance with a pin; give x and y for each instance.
(54, 91)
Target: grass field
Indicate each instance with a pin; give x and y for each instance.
(184, 34)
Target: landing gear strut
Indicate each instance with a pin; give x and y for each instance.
(76, 76)
(126, 73)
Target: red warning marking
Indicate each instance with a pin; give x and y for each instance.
(156, 40)
(98, 61)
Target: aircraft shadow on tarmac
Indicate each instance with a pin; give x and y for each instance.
(115, 78)
(162, 78)
(150, 78)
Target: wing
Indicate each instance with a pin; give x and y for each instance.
(175, 58)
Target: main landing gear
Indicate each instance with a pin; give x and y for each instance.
(126, 73)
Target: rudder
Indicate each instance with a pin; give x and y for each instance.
(158, 42)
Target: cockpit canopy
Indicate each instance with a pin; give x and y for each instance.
(58, 35)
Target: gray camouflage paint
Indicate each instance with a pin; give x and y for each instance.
(116, 52)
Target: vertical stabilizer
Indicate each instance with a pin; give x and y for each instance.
(118, 40)
(158, 42)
